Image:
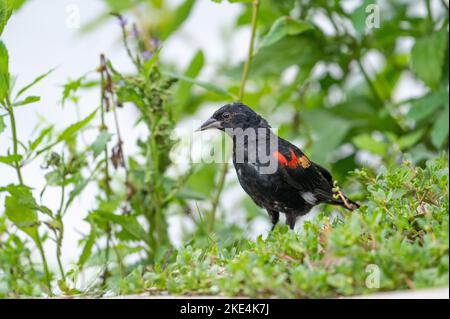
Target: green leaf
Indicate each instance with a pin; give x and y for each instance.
(428, 56)
(408, 140)
(427, 105)
(285, 26)
(359, 17)
(23, 196)
(184, 88)
(45, 132)
(439, 132)
(367, 142)
(24, 218)
(36, 80)
(327, 138)
(27, 100)
(2, 124)
(301, 50)
(87, 249)
(74, 128)
(10, 159)
(70, 131)
(4, 71)
(128, 223)
(100, 143)
(206, 85)
(181, 13)
(6, 7)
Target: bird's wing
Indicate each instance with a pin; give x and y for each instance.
(299, 172)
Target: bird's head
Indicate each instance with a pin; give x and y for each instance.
(233, 116)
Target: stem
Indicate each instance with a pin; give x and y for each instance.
(244, 77)
(107, 186)
(429, 12)
(10, 110)
(44, 264)
(369, 82)
(248, 62)
(60, 234)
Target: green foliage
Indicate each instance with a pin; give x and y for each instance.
(402, 230)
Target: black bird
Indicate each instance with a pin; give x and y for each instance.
(276, 174)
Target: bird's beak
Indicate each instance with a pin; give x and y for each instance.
(211, 123)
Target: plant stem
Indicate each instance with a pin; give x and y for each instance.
(105, 151)
(44, 264)
(60, 234)
(372, 87)
(244, 77)
(10, 110)
(248, 62)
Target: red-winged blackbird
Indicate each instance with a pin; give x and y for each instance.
(293, 185)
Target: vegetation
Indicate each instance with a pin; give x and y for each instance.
(310, 65)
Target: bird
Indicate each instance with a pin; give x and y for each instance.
(275, 173)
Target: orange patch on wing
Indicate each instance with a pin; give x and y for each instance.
(304, 161)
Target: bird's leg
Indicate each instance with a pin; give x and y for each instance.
(275, 216)
(290, 220)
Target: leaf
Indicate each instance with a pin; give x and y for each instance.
(181, 14)
(10, 159)
(367, 142)
(27, 100)
(23, 196)
(206, 85)
(69, 131)
(6, 7)
(302, 50)
(328, 137)
(285, 26)
(34, 144)
(359, 17)
(87, 249)
(408, 140)
(24, 218)
(100, 143)
(4, 70)
(74, 128)
(428, 56)
(427, 105)
(128, 223)
(2, 124)
(184, 88)
(36, 80)
(439, 132)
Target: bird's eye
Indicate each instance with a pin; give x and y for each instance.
(226, 116)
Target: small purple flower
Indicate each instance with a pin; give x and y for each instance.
(147, 55)
(154, 42)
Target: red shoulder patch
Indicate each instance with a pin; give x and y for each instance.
(294, 160)
(281, 159)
